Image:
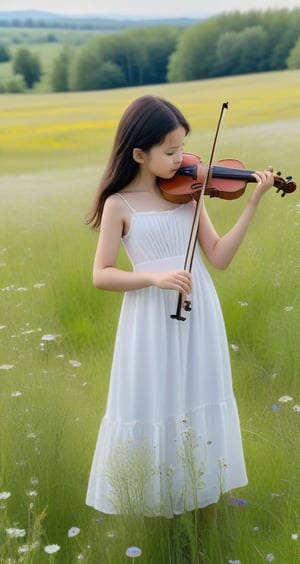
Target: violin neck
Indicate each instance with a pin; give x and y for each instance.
(233, 173)
(219, 172)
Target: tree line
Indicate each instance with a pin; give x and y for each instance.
(232, 44)
(39, 20)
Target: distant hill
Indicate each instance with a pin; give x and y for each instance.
(42, 19)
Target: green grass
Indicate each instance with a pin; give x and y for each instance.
(53, 392)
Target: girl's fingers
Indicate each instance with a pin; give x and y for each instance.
(181, 281)
(264, 177)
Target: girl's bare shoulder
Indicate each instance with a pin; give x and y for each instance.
(116, 212)
(114, 204)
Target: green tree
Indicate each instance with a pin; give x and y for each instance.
(253, 50)
(59, 78)
(293, 59)
(154, 46)
(28, 65)
(227, 53)
(110, 76)
(196, 52)
(282, 31)
(4, 53)
(120, 49)
(90, 70)
(265, 42)
(131, 58)
(241, 52)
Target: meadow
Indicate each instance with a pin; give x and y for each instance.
(57, 331)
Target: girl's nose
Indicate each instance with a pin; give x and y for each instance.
(179, 158)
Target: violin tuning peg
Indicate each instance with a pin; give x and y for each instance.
(289, 178)
(187, 305)
(278, 173)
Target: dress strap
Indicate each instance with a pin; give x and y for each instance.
(126, 202)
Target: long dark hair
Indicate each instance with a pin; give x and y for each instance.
(145, 123)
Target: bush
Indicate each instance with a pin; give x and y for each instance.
(16, 85)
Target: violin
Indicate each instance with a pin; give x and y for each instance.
(227, 180)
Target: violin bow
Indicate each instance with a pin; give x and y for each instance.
(181, 302)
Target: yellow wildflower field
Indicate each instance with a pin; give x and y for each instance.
(42, 131)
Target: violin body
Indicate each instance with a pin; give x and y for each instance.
(227, 180)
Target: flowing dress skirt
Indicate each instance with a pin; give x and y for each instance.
(170, 438)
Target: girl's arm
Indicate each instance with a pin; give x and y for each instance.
(107, 276)
(219, 251)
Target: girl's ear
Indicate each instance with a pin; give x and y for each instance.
(138, 155)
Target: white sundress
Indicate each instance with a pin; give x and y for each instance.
(170, 439)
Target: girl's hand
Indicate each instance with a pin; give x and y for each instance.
(179, 280)
(265, 179)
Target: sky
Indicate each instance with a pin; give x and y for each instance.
(149, 8)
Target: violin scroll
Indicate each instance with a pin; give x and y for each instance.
(286, 185)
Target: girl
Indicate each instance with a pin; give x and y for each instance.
(170, 438)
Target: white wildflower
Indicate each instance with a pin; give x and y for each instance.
(75, 363)
(73, 532)
(15, 532)
(51, 548)
(23, 549)
(49, 337)
(28, 547)
(5, 495)
(31, 493)
(133, 552)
